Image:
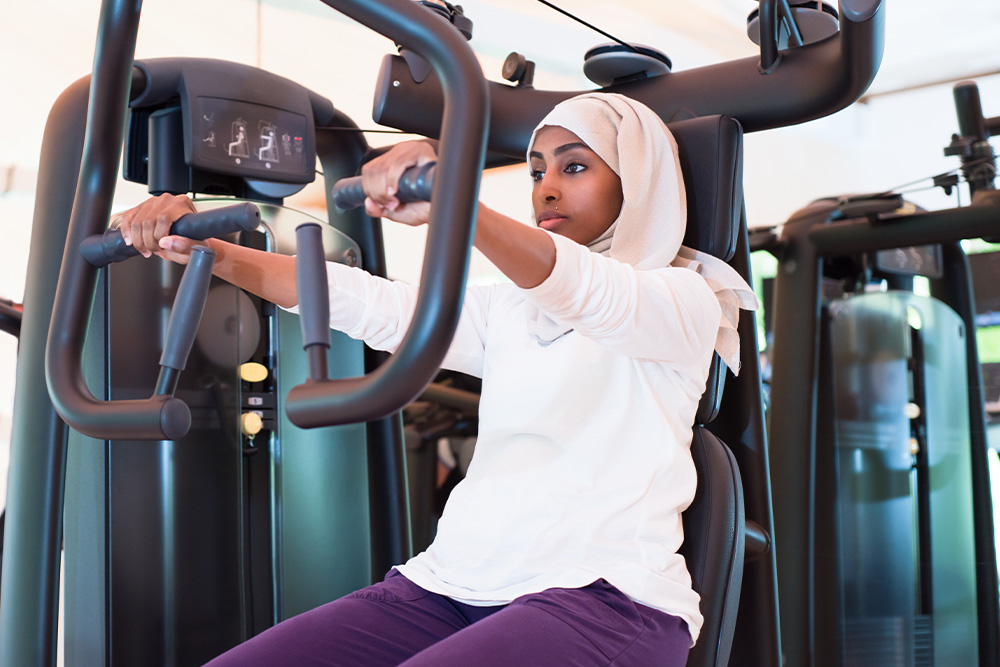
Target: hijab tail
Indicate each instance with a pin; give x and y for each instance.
(733, 293)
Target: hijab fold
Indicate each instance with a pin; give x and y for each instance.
(648, 232)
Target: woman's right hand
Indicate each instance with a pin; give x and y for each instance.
(380, 178)
(146, 227)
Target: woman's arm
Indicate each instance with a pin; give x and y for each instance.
(669, 315)
(524, 254)
(267, 275)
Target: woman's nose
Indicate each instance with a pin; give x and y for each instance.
(548, 189)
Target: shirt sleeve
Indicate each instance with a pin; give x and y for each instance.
(669, 315)
(379, 312)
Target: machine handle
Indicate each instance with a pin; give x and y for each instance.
(10, 317)
(189, 304)
(103, 249)
(322, 402)
(313, 294)
(415, 184)
(155, 418)
(161, 416)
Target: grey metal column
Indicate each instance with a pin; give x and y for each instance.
(33, 531)
(957, 293)
(30, 590)
(793, 395)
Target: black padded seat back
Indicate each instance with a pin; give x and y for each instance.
(710, 150)
(711, 155)
(714, 543)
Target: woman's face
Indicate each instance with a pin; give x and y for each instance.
(575, 193)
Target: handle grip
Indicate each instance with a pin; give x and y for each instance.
(103, 249)
(189, 304)
(415, 184)
(314, 297)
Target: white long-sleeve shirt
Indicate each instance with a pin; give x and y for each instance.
(582, 464)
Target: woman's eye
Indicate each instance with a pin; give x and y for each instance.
(536, 174)
(574, 168)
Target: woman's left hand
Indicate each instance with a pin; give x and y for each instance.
(380, 179)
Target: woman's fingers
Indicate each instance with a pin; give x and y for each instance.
(380, 176)
(176, 248)
(413, 214)
(144, 225)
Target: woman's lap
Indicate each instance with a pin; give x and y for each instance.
(396, 622)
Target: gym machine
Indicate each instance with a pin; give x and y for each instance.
(417, 88)
(877, 425)
(307, 536)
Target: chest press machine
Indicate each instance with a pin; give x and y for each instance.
(778, 89)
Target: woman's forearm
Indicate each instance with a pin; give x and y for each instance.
(524, 254)
(267, 275)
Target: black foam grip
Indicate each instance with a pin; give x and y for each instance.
(415, 184)
(109, 247)
(310, 282)
(188, 307)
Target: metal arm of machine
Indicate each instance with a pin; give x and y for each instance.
(322, 402)
(109, 91)
(161, 416)
(810, 82)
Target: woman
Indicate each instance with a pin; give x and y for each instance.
(560, 546)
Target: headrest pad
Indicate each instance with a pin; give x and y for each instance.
(711, 157)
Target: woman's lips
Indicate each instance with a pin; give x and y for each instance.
(549, 219)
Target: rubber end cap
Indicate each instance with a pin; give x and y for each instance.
(175, 419)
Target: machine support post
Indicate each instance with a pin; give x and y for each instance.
(792, 442)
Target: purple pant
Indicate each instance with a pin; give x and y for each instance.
(396, 622)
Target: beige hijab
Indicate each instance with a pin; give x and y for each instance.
(634, 142)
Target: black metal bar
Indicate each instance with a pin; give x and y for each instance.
(466, 401)
(758, 541)
(981, 219)
(794, 34)
(979, 164)
(387, 495)
(768, 35)
(166, 381)
(792, 437)
(813, 81)
(10, 318)
(34, 511)
(957, 292)
(969, 109)
(828, 595)
(449, 239)
(155, 418)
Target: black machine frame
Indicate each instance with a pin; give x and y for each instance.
(805, 246)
